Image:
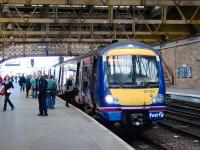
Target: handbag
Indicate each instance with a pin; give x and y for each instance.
(30, 92)
(9, 90)
(2, 91)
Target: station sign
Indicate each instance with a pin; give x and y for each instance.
(12, 64)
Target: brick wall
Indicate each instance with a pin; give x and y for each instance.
(188, 54)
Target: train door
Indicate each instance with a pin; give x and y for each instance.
(54, 73)
(77, 74)
(77, 86)
(64, 79)
(87, 82)
(94, 81)
(78, 82)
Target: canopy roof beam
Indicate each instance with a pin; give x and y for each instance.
(103, 2)
(96, 21)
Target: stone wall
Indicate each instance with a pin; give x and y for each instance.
(184, 55)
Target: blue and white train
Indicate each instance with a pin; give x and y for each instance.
(122, 83)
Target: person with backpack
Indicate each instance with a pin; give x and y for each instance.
(51, 92)
(34, 86)
(28, 85)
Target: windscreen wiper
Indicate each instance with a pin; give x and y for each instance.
(150, 84)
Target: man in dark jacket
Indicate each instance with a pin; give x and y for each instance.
(69, 90)
(22, 81)
(42, 88)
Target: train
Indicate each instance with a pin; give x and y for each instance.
(123, 83)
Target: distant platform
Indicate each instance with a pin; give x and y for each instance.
(185, 94)
(64, 128)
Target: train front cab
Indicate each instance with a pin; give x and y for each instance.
(131, 87)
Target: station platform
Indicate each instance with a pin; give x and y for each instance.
(185, 94)
(64, 128)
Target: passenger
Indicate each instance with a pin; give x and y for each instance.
(12, 78)
(33, 86)
(78, 100)
(8, 85)
(15, 78)
(46, 76)
(51, 92)
(42, 88)
(28, 85)
(86, 93)
(22, 81)
(69, 90)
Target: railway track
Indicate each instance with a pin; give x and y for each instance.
(143, 142)
(183, 117)
(187, 107)
(172, 139)
(184, 129)
(180, 130)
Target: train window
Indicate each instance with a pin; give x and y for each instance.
(77, 72)
(57, 73)
(59, 78)
(78, 76)
(62, 78)
(87, 72)
(65, 74)
(132, 71)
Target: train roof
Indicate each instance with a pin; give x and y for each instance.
(126, 44)
(117, 45)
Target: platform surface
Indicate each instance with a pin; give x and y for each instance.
(184, 91)
(64, 128)
(185, 94)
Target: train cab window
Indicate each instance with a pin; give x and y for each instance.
(132, 71)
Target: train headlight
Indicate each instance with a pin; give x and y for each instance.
(111, 100)
(158, 99)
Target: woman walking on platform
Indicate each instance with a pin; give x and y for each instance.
(8, 85)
